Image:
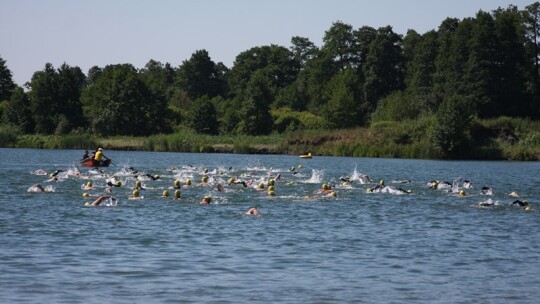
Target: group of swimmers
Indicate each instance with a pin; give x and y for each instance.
(223, 180)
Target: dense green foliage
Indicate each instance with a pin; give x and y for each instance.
(482, 67)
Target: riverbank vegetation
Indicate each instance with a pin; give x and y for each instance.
(494, 139)
(468, 90)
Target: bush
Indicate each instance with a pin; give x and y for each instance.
(8, 135)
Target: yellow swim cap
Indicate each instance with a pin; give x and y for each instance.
(118, 184)
(177, 194)
(177, 183)
(271, 192)
(138, 183)
(333, 193)
(157, 176)
(204, 179)
(188, 181)
(261, 185)
(88, 204)
(300, 166)
(326, 187)
(462, 193)
(271, 182)
(135, 193)
(205, 170)
(232, 180)
(208, 198)
(85, 194)
(271, 188)
(89, 184)
(165, 193)
(381, 182)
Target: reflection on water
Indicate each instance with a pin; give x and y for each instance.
(427, 246)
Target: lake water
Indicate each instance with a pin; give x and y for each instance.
(429, 246)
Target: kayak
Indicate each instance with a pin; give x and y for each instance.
(90, 162)
(306, 155)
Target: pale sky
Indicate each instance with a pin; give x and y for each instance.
(102, 32)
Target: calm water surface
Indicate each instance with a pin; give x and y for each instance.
(429, 246)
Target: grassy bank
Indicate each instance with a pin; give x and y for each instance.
(496, 139)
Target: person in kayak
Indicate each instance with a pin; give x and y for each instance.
(99, 156)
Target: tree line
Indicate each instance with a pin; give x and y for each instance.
(479, 67)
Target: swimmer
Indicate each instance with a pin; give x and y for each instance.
(39, 172)
(36, 188)
(187, 183)
(220, 188)
(56, 173)
(165, 193)
(206, 200)
(253, 211)
(135, 194)
(115, 184)
(177, 194)
(345, 179)
(87, 186)
(467, 184)
(520, 203)
(152, 177)
(488, 203)
(513, 194)
(325, 189)
(486, 191)
(99, 200)
(138, 185)
(204, 181)
(260, 187)
(176, 184)
(331, 194)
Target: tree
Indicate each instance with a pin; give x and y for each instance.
(303, 50)
(277, 62)
(7, 86)
(532, 27)
(384, 67)
(18, 111)
(344, 105)
(44, 99)
(340, 44)
(120, 103)
(256, 117)
(203, 116)
(200, 76)
(71, 82)
(449, 133)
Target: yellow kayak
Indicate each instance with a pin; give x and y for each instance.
(306, 155)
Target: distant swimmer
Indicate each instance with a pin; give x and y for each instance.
(39, 172)
(520, 203)
(325, 189)
(488, 203)
(152, 177)
(486, 191)
(439, 185)
(87, 186)
(206, 200)
(100, 199)
(36, 188)
(56, 173)
(467, 184)
(513, 194)
(346, 179)
(253, 211)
